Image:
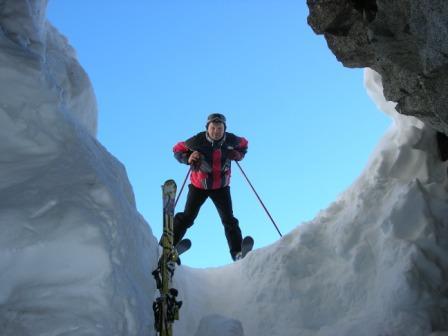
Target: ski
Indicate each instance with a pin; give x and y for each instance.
(183, 246)
(247, 245)
(166, 307)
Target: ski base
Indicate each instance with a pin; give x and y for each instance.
(183, 246)
(247, 245)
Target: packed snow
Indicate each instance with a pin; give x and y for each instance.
(76, 256)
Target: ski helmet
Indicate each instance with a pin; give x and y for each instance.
(216, 118)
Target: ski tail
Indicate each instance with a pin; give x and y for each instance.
(247, 245)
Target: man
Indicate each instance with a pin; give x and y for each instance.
(210, 153)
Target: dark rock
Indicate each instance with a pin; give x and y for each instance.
(405, 41)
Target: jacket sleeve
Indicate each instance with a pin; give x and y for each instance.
(241, 146)
(181, 152)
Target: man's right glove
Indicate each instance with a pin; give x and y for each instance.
(195, 159)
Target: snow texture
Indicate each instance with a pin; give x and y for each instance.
(76, 257)
(219, 326)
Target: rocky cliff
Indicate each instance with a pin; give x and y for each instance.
(406, 41)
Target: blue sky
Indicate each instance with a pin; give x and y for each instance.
(160, 67)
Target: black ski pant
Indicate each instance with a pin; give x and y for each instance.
(223, 203)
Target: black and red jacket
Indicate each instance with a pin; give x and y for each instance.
(213, 171)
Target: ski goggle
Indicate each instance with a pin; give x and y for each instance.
(216, 117)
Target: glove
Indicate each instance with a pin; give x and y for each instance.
(234, 155)
(195, 159)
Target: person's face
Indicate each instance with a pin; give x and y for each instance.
(215, 130)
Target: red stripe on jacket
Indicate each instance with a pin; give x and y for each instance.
(180, 147)
(216, 169)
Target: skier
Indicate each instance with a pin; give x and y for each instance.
(209, 153)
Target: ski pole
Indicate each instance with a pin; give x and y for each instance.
(182, 188)
(256, 194)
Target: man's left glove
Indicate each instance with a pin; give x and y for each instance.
(234, 155)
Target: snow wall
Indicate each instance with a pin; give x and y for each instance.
(76, 257)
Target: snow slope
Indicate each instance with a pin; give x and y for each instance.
(76, 257)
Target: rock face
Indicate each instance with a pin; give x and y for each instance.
(406, 41)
